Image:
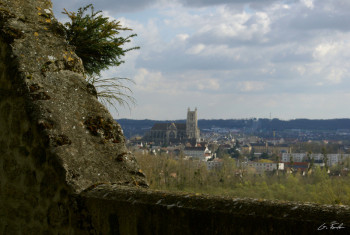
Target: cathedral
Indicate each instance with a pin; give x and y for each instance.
(171, 133)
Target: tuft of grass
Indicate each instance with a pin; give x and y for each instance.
(97, 42)
(112, 91)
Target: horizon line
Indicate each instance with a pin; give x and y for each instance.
(314, 119)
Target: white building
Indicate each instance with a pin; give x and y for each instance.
(200, 153)
(297, 157)
(333, 159)
(266, 166)
(214, 164)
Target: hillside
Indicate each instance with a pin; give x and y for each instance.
(139, 127)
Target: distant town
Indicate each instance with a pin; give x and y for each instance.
(257, 145)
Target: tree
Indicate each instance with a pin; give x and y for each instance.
(264, 155)
(291, 162)
(325, 158)
(310, 160)
(311, 165)
(97, 43)
(234, 152)
(221, 153)
(237, 145)
(277, 160)
(252, 154)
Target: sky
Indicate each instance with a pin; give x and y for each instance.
(283, 59)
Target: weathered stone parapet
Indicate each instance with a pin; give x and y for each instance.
(121, 210)
(48, 75)
(56, 139)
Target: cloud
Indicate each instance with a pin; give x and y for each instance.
(308, 3)
(319, 20)
(130, 6)
(115, 6)
(233, 29)
(324, 50)
(273, 56)
(205, 3)
(336, 75)
(155, 82)
(195, 49)
(251, 86)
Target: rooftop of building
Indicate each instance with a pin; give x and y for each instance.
(165, 126)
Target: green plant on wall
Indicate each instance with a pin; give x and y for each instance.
(97, 42)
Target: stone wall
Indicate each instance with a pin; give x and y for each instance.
(64, 167)
(28, 200)
(56, 139)
(121, 210)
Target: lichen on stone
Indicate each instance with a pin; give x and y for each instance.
(59, 140)
(106, 128)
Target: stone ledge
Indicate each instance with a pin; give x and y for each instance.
(161, 212)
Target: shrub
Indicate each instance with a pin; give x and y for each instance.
(97, 42)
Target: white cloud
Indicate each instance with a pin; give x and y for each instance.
(280, 56)
(228, 27)
(196, 49)
(336, 75)
(250, 86)
(213, 84)
(155, 82)
(323, 50)
(301, 69)
(308, 3)
(332, 60)
(182, 37)
(151, 82)
(207, 84)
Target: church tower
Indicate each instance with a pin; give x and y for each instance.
(192, 129)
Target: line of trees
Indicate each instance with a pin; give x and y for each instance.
(192, 176)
